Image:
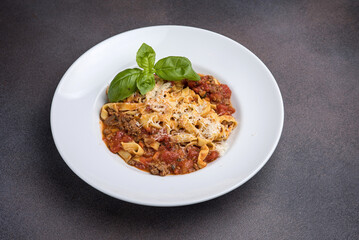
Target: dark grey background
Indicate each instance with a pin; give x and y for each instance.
(308, 190)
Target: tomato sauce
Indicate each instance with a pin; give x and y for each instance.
(170, 157)
(115, 139)
(212, 155)
(178, 160)
(218, 94)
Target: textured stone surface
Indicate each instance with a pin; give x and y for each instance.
(308, 190)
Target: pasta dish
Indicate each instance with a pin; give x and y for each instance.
(178, 127)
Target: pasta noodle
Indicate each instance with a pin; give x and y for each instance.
(173, 129)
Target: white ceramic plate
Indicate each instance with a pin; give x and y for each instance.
(81, 93)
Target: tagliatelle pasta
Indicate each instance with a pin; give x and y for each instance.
(176, 128)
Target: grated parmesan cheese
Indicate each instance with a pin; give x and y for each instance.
(159, 101)
(222, 147)
(210, 128)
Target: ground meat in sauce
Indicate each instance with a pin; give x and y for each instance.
(129, 124)
(212, 155)
(159, 168)
(126, 123)
(193, 152)
(170, 158)
(114, 139)
(218, 94)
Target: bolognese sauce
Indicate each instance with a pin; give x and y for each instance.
(218, 94)
(160, 153)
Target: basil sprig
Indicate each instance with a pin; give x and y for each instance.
(175, 68)
(123, 85)
(128, 81)
(146, 82)
(145, 57)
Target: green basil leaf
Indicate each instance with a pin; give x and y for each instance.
(145, 57)
(175, 68)
(146, 82)
(123, 85)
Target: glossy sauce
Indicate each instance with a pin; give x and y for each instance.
(171, 157)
